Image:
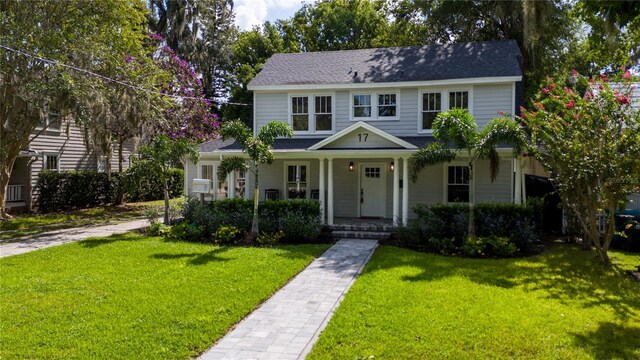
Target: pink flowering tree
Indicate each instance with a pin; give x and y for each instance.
(590, 144)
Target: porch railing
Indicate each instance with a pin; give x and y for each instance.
(14, 193)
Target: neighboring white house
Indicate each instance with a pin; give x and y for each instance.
(357, 117)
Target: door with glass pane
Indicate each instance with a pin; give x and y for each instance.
(372, 190)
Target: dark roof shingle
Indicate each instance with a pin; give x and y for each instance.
(416, 63)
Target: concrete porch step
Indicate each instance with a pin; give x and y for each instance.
(358, 234)
(362, 227)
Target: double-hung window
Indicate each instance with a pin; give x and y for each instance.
(375, 106)
(51, 122)
(323, 113)
(431, 107)
(313, 113)
(241, 182)
(300, 113)
(297, 184)
(362, 106)
(459, 99)
(217, 187)
(387, 105)
(458, 184)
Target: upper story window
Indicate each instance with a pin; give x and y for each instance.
(300, 113)
(431, 107)
(375, 106)
(459, 99)
(458, 184)
(320, 106)
(386, 105)
(323, 113)
(361, 106)
(51, 122)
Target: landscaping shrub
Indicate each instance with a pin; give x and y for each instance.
(68, 190)
(502, 230)
(141, 183)
(298, 220)
(225, 234)
(75, 189)
(267, 239)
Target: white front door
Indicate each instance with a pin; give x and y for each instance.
(372, 190)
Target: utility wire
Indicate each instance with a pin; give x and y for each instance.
(108, 79)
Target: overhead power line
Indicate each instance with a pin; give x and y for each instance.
(108, 79)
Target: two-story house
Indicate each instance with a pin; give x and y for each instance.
(58, 144)
(358, 115)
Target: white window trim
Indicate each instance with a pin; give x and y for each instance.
(213, 192)
(445, 182)
(285, 177)
(374, 105)
(47, 125)
(312, 112)
(44, 160)
(444, 93)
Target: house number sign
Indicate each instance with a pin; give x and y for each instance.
(363, 137)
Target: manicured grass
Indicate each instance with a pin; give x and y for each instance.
(561, 304)
(134, 297)
(31, 224)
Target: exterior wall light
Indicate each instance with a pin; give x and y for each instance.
(392, 167)
(351, 166)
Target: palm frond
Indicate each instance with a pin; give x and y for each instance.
(274, 129)
(457, 128)
(237, 130)
(432, 154)
(500, 131)
(230, 164)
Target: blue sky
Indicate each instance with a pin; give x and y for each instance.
(256, 12)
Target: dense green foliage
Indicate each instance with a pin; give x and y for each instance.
(503, 230)
(556, 305)
(258, 148)
(456, 134)
(134, 297)
(83, 189)
(298, 220)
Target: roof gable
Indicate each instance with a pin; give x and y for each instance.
(385, 65)
(362, 136)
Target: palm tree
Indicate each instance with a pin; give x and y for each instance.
(456, 131)
(258, 148)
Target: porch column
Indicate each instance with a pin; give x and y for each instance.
(186, 178)
(517, 196)
(231, 185)
(405, 191)
(396, 191)
(321, 195)
(523, 185)
(330, 193)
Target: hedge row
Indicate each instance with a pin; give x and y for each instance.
(298, 220)
(501, 230)
(83, 189)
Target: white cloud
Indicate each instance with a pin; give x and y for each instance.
(255, 12)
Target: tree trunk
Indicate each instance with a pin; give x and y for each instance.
(166, 202)
(256, 196)
(471, 231)
(5, 175)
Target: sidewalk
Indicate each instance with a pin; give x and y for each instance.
(59, 237)
(288, 324)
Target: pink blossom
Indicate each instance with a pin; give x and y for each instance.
(574, 72)
(622, 99)
(552, 86)
(603, 77)
(539, 105)
(545, 91)
(570, 105)
(627, 75)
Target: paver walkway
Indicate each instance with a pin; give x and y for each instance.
(288, 324)
(59, 237)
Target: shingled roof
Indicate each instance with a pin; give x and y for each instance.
(415, 63)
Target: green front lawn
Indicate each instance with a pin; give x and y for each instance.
(31, 224)
(561, 304)
(135, 297)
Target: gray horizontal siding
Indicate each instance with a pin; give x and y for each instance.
(498, 191)
(490, 100)
(271, 106)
